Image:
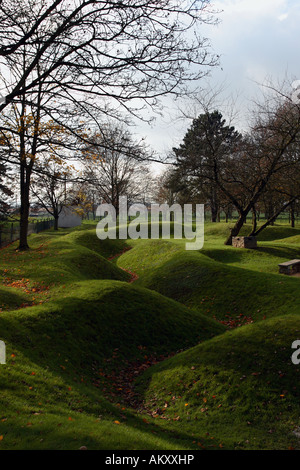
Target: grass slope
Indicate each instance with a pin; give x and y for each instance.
(69, 339)
(77, 329)
(223, 282)
(239, 390)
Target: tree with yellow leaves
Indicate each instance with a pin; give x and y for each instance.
(30, 138)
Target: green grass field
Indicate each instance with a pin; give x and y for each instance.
(142, 345)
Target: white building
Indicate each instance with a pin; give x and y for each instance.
(69, 218)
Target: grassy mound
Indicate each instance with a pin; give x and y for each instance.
(96, 317)
(77, 330)
(228, 293)
(57, 353)
(147, 255)
(278, 232)
(89, 239)
(55, 261)
(239, 390)
(220, 231)
(11, 299)
(265, 258)
(293, 240)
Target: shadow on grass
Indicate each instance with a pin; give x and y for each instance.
(278, 232)
(86, 333)
(57, 432)
(249, 375)
(10, 299)
(238, 255)
(285, 253)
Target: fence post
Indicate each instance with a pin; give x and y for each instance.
(11, 232)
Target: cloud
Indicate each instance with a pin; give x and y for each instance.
(252, 9)
(256, 39)
(256, 35)
(283, 17)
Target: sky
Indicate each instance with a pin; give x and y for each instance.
(256, 39)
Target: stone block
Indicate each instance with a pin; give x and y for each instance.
(244, 242)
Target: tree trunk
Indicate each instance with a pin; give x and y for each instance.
(271, 220)
(214, 205)
(24, 209)
(237, 227)
(214, 213)
(292, 212)
(254, 220)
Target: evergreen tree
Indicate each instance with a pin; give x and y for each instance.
(203, 155)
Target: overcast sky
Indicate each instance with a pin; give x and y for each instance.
(255, 39)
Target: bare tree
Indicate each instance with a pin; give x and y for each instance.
(263, 160)
(246, 169)
(49, 187)
(10, 15)
(126, 51)
(31, 137)
(5, 191)
(163, 188)
(116, 166)
(283, 191)
(58, 57)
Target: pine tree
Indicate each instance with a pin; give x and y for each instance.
(202, 156)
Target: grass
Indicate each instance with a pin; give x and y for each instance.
(205, 336)
(219, 281)
(238, 390)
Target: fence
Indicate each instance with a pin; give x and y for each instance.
(9, 232)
